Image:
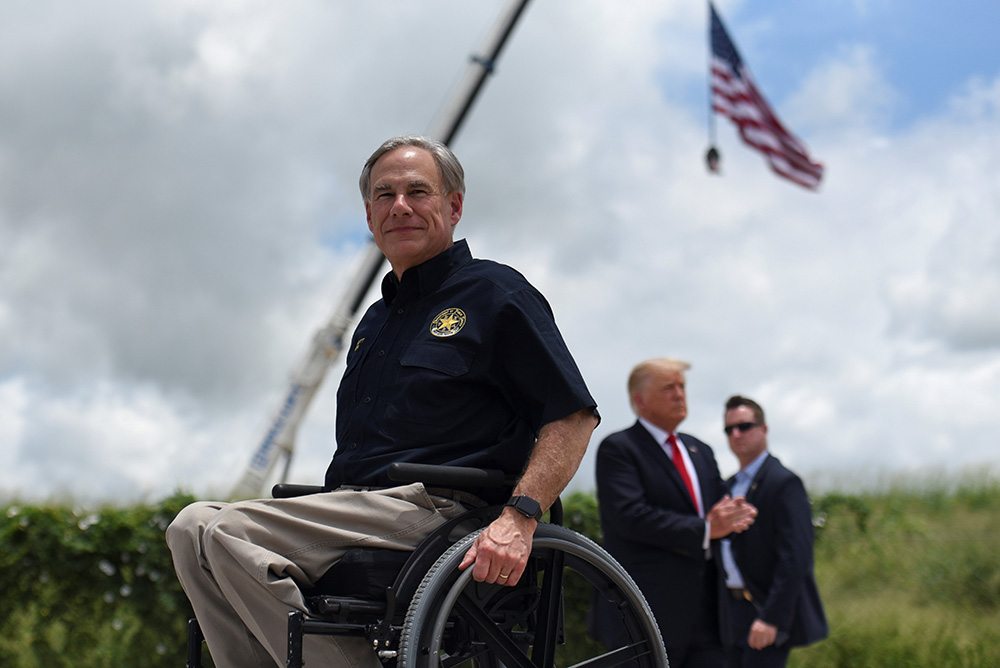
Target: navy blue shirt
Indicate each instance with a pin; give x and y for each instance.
(459, 363)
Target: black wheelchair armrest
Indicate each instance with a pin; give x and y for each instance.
(448, 476)
(461, 477)
(285, 490)
(432, 475)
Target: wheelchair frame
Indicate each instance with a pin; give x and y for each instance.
(435, 616)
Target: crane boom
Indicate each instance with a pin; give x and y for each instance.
(328, 341)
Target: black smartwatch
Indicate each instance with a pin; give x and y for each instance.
(525, 505)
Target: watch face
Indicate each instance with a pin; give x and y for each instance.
(527, 506)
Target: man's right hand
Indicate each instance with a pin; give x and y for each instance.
(730, 515)
(500, 553)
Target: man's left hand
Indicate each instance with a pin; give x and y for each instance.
(500, 553)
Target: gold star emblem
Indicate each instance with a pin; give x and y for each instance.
(448, 322)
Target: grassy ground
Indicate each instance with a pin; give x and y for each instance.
(910, 578)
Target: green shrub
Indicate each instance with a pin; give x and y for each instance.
(581, 516)
(89, 588)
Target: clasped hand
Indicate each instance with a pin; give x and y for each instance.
(731, 515)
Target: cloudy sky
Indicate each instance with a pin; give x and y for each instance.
(179, 214)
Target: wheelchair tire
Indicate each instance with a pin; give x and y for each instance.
(453, 620)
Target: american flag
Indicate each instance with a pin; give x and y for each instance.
(735, 95)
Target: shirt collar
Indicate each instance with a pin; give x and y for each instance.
(659, 435)
(749, 472)
(426, 277)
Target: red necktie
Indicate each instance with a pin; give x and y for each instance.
(675, 454)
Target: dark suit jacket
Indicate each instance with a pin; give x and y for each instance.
(652, 528)
(775, 555)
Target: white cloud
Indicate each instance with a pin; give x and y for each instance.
(178, 214)
(849, 92)
(12, 427)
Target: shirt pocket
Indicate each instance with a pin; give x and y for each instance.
(443, 358)
(433, 387)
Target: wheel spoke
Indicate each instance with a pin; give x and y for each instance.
(454, 622)
(616, 657)
(550, 611)
(498, 641)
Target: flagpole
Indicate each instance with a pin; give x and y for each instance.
(279, 439)
(711, 105)
(712, 155)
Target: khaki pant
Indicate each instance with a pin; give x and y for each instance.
(242, 564)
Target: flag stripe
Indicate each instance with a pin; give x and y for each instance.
(735, 96)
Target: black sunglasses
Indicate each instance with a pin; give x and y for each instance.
(741, 427)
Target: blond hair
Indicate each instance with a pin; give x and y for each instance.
(643, 370)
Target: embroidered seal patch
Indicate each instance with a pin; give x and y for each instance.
(448, 322)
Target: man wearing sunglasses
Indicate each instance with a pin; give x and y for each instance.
(773, 603)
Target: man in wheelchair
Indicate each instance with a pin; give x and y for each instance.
(459, 363)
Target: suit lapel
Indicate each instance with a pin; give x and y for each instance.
(758, 479)
(729, 484)
(655, 453)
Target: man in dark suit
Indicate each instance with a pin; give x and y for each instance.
(659, 518)
(773, 602)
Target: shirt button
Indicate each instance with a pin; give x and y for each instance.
(400, 311)
(368, 400)
(354, 446)
(381, 353)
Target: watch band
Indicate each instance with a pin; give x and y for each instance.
(525, 505)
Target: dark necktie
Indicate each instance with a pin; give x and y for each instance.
(675, 454)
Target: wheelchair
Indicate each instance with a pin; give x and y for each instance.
(419, 611)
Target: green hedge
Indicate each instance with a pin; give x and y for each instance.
(909, 579)
(90, 588)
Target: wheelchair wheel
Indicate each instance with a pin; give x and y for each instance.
(453, 620)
